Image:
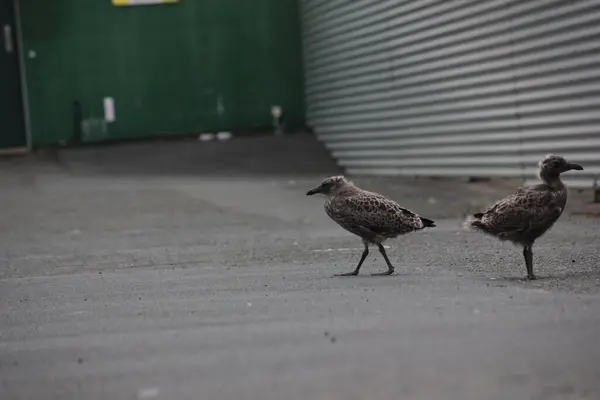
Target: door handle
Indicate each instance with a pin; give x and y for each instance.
(8, 41)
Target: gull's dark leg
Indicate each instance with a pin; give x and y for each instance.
(387, 261)
(362, 259)
(528, 254)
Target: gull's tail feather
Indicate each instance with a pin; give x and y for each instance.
(427, 223)
(473, 222)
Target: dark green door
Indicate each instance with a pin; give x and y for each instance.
(12, 123)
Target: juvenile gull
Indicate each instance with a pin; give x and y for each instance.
(528, 213)
(371, 216)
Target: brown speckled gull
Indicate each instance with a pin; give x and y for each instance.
(371, 216)
(528, 213)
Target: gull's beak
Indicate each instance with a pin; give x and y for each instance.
(313, 191)
(575, 166)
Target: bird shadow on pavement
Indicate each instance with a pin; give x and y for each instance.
(368, 275)
(513, 279)
(564, 276)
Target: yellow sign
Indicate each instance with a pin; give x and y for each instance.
(141, 2)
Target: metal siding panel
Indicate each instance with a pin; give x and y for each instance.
(460, 88)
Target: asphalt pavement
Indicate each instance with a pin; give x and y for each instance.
(126, 278)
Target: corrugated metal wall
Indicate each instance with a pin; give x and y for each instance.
(448, 87)
(193, 66)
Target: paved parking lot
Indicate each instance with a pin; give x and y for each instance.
(119, 281)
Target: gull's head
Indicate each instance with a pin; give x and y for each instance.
(554, 165)
(330, 186)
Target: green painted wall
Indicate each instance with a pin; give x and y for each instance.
(199, 65)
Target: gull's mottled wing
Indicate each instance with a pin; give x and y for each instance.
(524, 210)
(374, 212)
